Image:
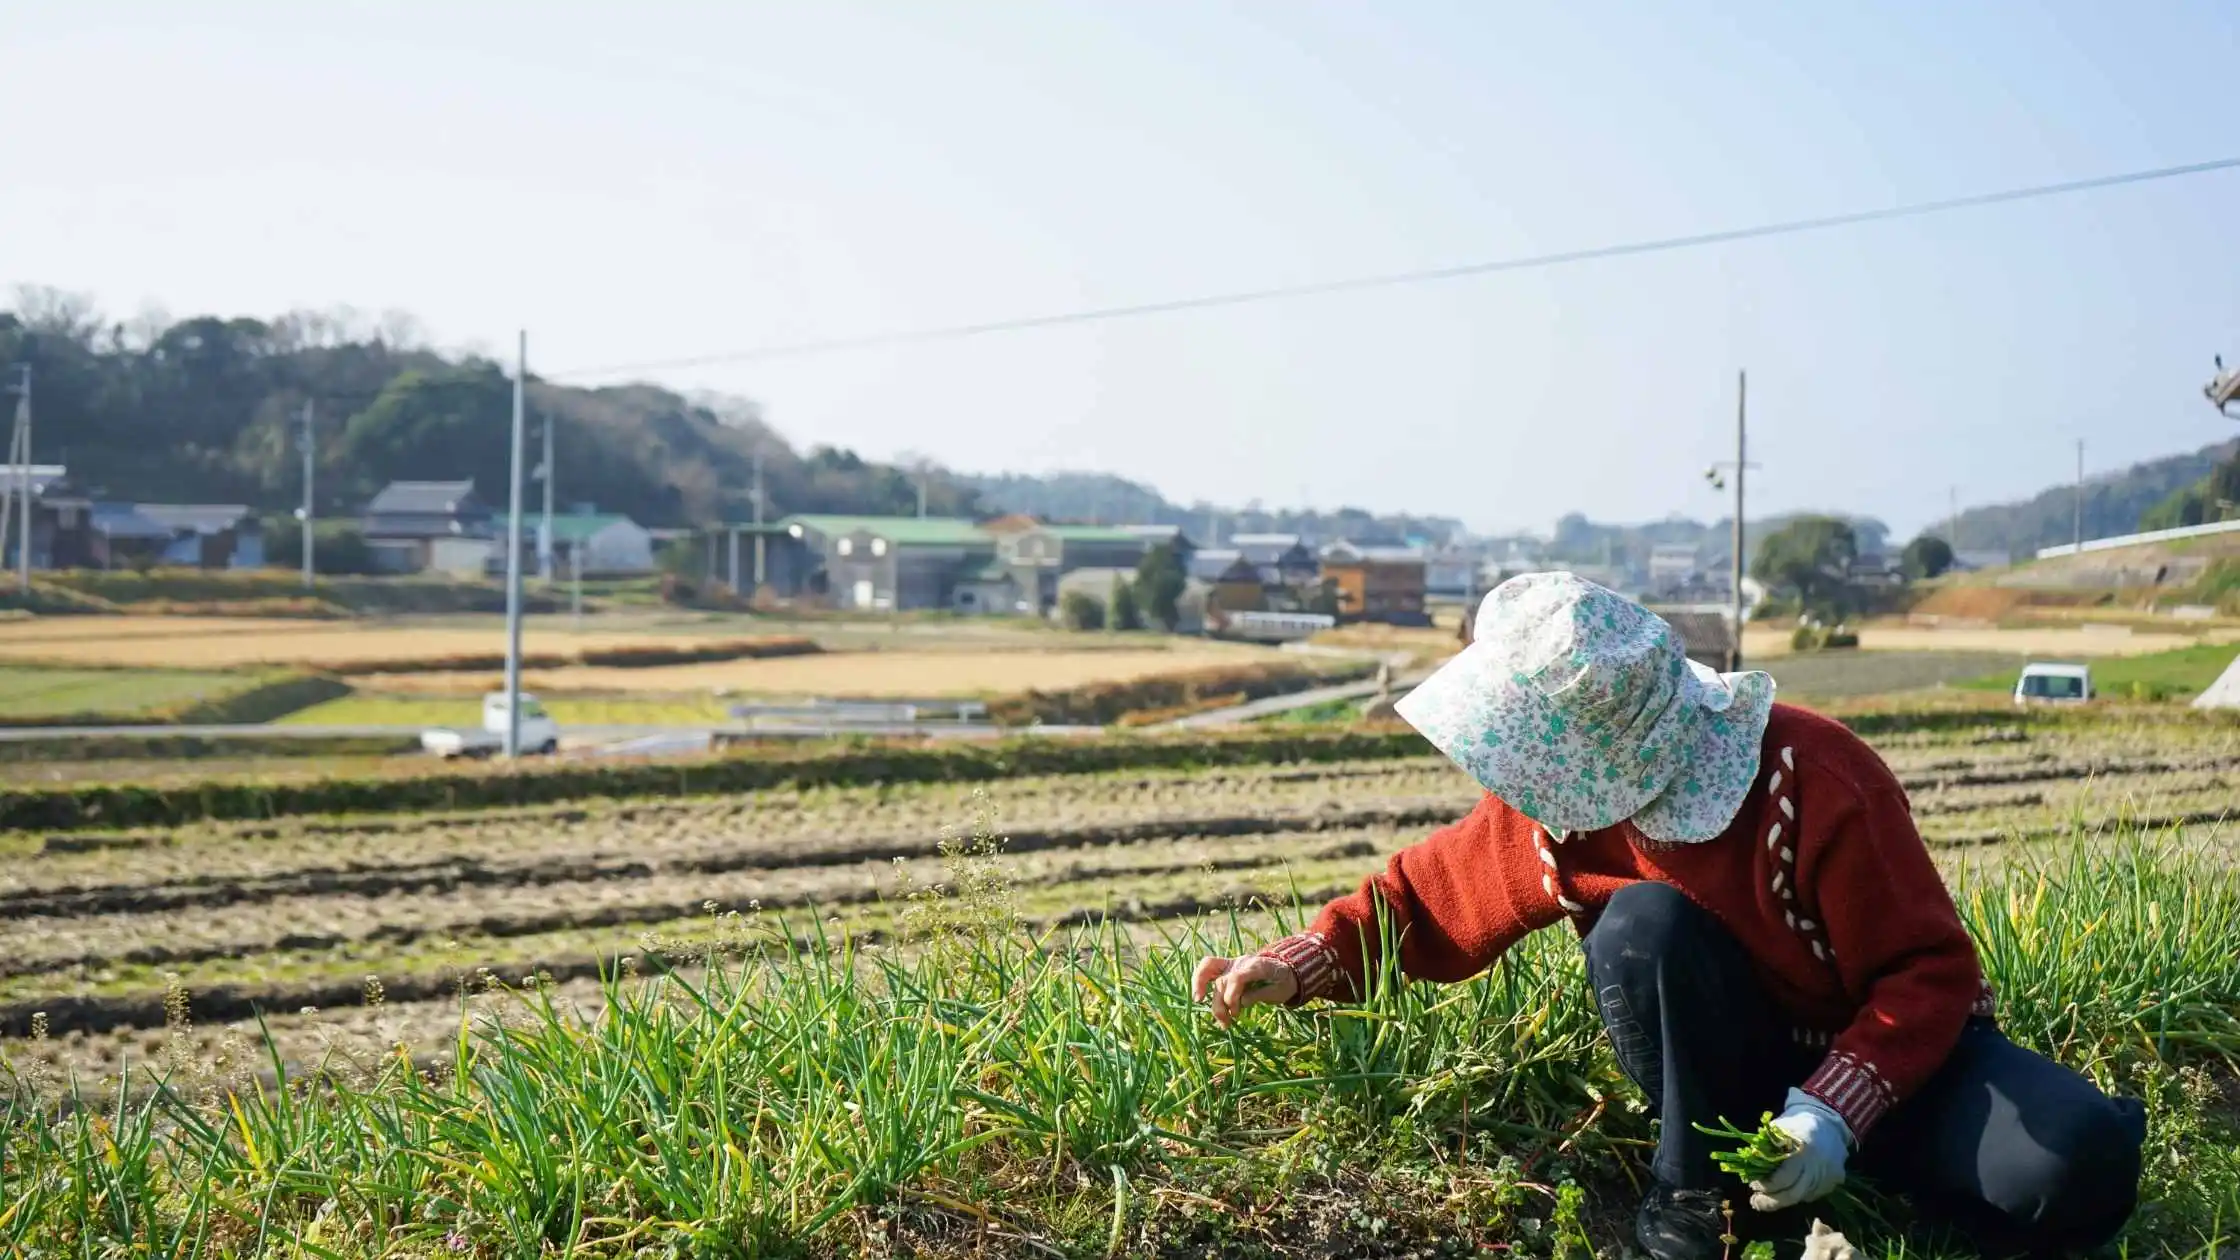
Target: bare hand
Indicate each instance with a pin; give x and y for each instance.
(1232, 984)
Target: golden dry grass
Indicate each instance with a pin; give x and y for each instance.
(890, 673)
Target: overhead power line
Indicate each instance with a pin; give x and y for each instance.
(1356, 284)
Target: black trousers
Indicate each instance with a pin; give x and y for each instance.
(2020, 1154)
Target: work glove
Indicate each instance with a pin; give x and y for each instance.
(1816, 1169)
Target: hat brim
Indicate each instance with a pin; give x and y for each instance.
(1491, 725)
(1721, 763)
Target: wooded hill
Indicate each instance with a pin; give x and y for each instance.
(205, 410)
(2149, 495)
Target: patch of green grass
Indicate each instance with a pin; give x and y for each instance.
(1845, 673)
(2178, 674)
(1316, 714)
(1065, 1097)
(38, 691)
(373, 708)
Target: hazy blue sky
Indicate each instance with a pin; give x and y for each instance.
(647, 181)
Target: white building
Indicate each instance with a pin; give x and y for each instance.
(609, 544)
(1672, 565)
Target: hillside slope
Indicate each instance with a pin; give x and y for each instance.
(2114, 503)
(207, 410)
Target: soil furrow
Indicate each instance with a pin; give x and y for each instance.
(628, 914)
(132, 898)
(225, 1003)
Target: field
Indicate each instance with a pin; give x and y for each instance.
(949, 1083)
(228, 643)
(899, 672)
(2181, 673)
(27, 692)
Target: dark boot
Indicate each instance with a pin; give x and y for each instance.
(1682, 1224)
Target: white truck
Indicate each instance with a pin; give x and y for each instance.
(2049, 683)
(539, 733)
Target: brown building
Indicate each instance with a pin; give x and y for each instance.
(1382, 584)
(1706, 633)
(1232, 583)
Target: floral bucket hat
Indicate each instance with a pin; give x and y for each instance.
(1581, 709)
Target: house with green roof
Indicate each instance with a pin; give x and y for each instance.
(901, 563)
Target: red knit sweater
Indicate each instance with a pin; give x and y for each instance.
(1821, 876)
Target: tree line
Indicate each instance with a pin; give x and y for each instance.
(208, 409)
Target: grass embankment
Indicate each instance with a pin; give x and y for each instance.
(1163, 697)
(43, 696)
(39, 692)
(381, 708)
(985, 1092)
(273, 593)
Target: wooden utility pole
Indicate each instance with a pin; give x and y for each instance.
(1716, 475)
(2079, 531)
(1741, 467)
(309, 447)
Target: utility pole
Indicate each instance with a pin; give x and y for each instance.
(1741, 470)
(306, 441)
(2080, 498)
(1954, 528)
(575, 601)
(22, 440)
(513, 553)
(545, 541)
(1716, 476)
(759, 557)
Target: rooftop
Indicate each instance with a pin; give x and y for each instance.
(180, 518)
(421, 498)
(1095, 534)
(1364, 553)
(902, 531)
(567, 527)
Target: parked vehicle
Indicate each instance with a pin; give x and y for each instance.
(2053, 684)
(539, 733)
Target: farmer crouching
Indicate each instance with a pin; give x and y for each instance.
(1764, 931)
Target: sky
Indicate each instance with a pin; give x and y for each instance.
(664, 180)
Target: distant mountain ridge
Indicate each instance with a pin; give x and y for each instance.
(1103, 498)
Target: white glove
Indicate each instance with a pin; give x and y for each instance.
(1823, 1144)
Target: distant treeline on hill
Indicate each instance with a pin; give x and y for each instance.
(1103, 498)
(205, 410)
(2152, 495)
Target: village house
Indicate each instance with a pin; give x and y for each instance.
(430, 526)
(1284, 560)
(195, 536)
(1380, 584)
(1672, 566)
(1449, 572)
(1706, 632)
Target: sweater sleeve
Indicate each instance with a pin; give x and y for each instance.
(1450, 900)
(1894, 936)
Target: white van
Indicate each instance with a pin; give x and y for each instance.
(2053, 684)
